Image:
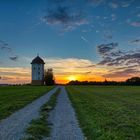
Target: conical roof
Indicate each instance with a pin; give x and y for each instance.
(37, 60)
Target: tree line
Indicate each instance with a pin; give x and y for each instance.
(131, 81)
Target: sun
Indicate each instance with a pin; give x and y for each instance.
(72, 78)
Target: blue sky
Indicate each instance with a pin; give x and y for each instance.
(70, 29)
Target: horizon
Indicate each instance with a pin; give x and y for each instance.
(84, 40)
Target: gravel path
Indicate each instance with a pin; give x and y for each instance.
(65, 125)
(12, 128)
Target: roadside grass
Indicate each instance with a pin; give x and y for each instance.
(40, 128)
(107, 112)
(12, 98)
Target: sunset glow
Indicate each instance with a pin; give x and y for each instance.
(72, 78)
(80, 40)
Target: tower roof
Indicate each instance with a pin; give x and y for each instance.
(37, 60)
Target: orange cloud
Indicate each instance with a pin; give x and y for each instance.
(68, 69)
(15, 75)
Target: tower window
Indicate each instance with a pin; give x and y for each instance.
(38, 73)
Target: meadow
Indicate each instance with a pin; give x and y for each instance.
(107, 112)
(13, 98)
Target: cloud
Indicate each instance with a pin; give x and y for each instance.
(126, 3)
(4, 46)
(70, 14)
(127, 59)
(113, 17)
(113, 5)
(123, 73)
(82, 69)
(121, 3)
(15, 75)
(13, 58)
(63, 15)
(130, 58)
(112, 56)
(133, 66)
(135, 41)
(63, 68)
(85, 40)
(96, 2)
(105, 49)
(22, 71)
(119, 58)
(135, 23)
(107, 34)
(68, 64)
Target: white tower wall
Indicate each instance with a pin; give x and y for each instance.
(37, 71)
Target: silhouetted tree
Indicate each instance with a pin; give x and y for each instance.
(133, 81)
(49, 77)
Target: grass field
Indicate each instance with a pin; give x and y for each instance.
(107, 112)
(13, 98)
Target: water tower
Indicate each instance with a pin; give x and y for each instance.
(37, 71)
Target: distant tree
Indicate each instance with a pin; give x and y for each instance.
(133, 81)
(49, 77)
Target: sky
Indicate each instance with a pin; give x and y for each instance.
(80, 39)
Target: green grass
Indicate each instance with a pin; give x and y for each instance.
(13, 98)
(40, 128)
(107, 112)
